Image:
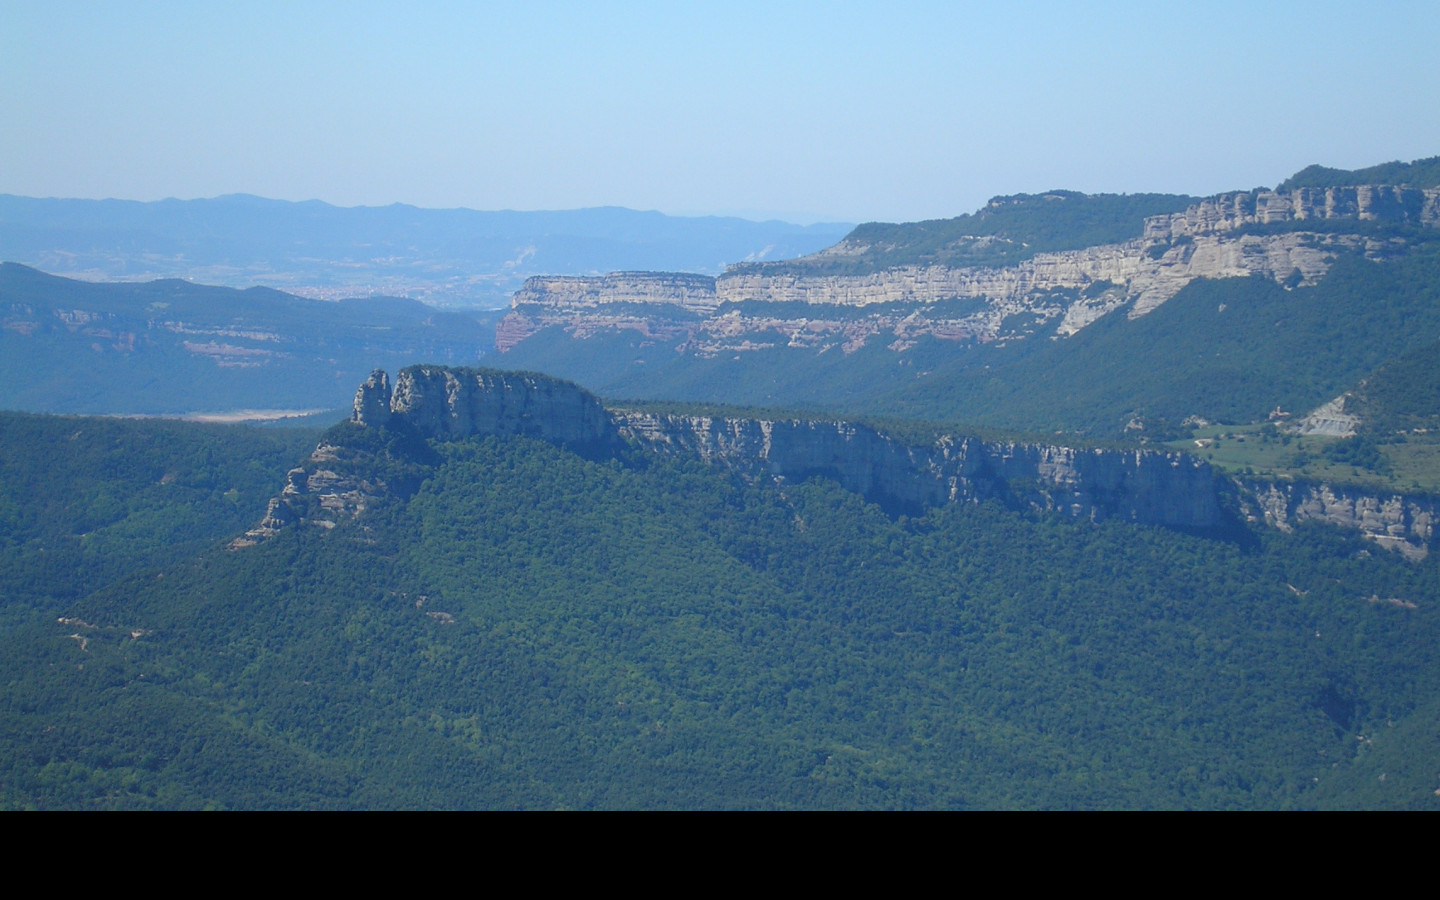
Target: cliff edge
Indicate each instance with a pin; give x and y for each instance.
(340, 480)
(443, 403)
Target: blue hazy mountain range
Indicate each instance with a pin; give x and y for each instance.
(450, 257)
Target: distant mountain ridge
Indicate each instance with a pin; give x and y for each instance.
(455, 257)
(1270, 299)
(982, 344)
(172, 347)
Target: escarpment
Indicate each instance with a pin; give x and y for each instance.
(1145, 486)
(1056, 292)
(340, 481)
(343, 477)
(690, 292)
(1394, 521)
(440, 403)
(451, 403)
(1365, 203)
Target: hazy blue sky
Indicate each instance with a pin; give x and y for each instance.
(799, 111)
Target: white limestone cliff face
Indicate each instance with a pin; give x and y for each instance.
(1145, 486)
(1146, 277)
(1367, 203)
(1142, 274)
(691, 292)
(444, 402)
(928, 284)
(1396, 522)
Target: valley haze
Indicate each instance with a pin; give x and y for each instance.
(454, 258)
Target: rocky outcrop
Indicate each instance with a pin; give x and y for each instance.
(448, 403)
(1397, 522)
(372, 400)
(327, 489)
(1330, 419)
(339, 482)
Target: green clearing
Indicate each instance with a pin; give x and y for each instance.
(1406, 463)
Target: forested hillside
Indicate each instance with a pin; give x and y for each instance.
(534, 629)
(85, 500)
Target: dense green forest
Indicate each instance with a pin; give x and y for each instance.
(85, 500)
(533, 629)
(1403, 394)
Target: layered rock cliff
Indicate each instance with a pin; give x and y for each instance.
(1176, 490)
(1146, 486)
(1366, 203)
(692, 292)
(439, 403)
(1397, 522)
(1063, 290)
(333, 485)
(1148, 273)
